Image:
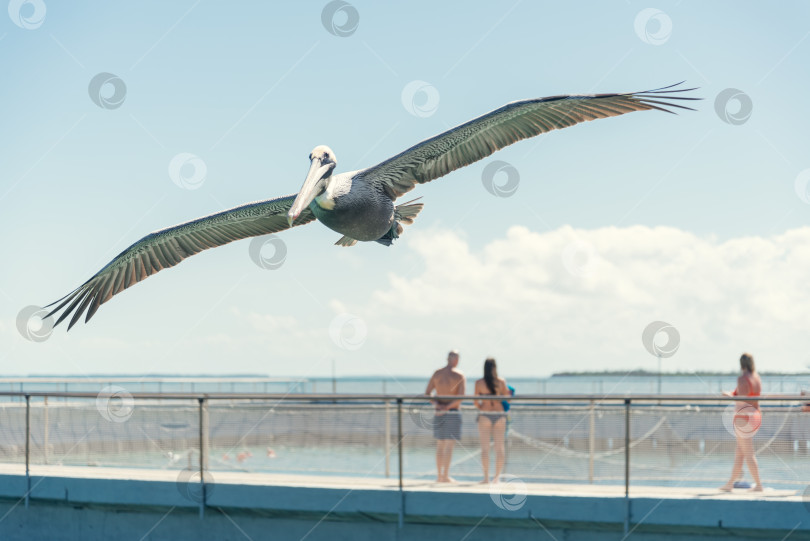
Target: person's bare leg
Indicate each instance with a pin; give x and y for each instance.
(444, 465)
(751, 462)
(736, 470)
(441, 452)
(498, 432)
(484, 432)
(447, 457)
(439, 448)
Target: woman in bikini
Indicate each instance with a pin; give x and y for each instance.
(491, 418)
(747, 420)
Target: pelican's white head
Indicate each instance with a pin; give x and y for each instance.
(322, 163)
(323, 153)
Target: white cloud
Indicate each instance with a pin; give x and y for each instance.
(521, 299)
(540, 302)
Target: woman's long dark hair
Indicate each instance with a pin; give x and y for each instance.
(491, 375)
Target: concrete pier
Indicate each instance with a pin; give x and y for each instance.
(103, 503)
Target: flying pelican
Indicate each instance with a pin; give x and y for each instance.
(358, 204)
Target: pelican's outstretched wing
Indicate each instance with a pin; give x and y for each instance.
(482, 136)
(168, 247)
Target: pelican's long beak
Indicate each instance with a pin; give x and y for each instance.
(312, 188)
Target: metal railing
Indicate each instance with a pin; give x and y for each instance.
(585, 406)
(674, 384)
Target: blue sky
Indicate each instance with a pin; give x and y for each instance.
(251, 88)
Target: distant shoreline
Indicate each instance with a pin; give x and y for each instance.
(649, 373)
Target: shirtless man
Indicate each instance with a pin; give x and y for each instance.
(447, 381)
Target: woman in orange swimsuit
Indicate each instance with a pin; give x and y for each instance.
(491, 418)
(747, 420)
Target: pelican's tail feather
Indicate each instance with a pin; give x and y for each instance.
(404, 214)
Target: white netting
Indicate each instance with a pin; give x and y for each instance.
(680, 445)
(671, 444)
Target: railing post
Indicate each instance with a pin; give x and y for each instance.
(45, 436)
(591, 441)
(626, 466)
(27, 448)
(399, 452)
(201, 401)
(387, 438)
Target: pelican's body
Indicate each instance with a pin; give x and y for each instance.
(360, 205)
(353, 207)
